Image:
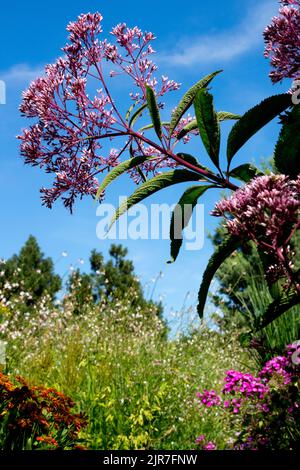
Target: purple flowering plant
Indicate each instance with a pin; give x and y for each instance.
(266, 407)
(74, 113)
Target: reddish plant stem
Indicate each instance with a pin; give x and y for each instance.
(292, 233)
(207, 174)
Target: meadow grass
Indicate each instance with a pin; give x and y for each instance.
(136, 387)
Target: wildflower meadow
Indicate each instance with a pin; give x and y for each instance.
(92, 358)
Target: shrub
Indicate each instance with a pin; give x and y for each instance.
(36, 417)
(265, 407)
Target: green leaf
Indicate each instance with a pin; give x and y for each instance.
(192, 126)
(119, 170)
(287, 150)
(152, 186)
(225, 249)
(181, 216)
(136, 115)
(245, 172)
(139, 170)
(253, 120)
(276, 309)
(208, 124)
(127, 116)
(154, 111)
(187, 100)
(227, 116)
(150, 126)
(190, 159)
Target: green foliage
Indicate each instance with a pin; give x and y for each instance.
(136, 115)
(208, 124)
(190, 159)
(154, 111)
(36, 418)
(227, 116)
(187, 100)
(253, 120)
(150, 126)
(29, 271)
(119, 170)
(287, 150)
(276, 308)
(245, 172)
(243, 298)
(193, 125)
(152, 186)
(181, 216)
(136, 387)
(108, 282)
(225, 249)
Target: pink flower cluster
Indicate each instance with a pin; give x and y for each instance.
(278, 365)
(74, 111)
(271, 398)
(203, 445)
(266, 211)
(244, 384)
(282, 38)
(209, 398)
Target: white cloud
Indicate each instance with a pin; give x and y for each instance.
(225, 45)
(21, 73)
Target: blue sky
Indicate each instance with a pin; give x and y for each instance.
(190, 43)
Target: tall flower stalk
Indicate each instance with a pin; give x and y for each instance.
(72, 123)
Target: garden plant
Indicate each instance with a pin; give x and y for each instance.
(121, 369)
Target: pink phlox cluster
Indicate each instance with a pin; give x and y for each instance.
(209, 398)
(244, 384)
(278, 365)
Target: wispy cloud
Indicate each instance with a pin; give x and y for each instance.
(21, 73)
(225, 45)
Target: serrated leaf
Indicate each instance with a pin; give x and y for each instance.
(187, 100)
(208, 124)
(154, 111)
(119, 170)
(152, 186)
(287, 150)
(192, 126)
(245, 172)
(254, 120)
(276, 309)
(136, 115)
(181, 216)
(227, 116)
(225, 249)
